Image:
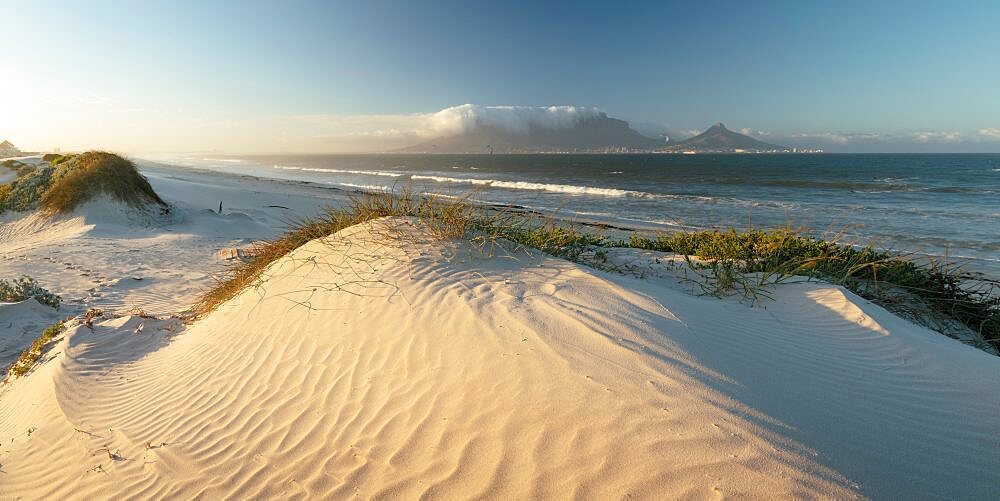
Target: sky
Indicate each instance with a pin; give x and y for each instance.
(329, 76)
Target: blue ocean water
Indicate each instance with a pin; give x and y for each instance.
(935, 204)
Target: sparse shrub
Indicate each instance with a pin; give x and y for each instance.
(25, 192)
(30, 356)
(61, 159)
(24, 288)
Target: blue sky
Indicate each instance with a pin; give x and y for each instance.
(326, 76)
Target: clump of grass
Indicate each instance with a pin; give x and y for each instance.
(360, 209)
(871, 273)
(30, 356)
(543, 234)
(69, 181)
(87, 174)
(24, 288)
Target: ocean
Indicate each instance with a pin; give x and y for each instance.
(944, 205)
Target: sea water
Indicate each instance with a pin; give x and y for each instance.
(944, 205)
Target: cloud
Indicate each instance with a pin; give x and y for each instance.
(375, 132)
(517, 119)
(990, 133)
(948, 137)
(840, 137)
(754, 132)
(450, 121)
(983, 140)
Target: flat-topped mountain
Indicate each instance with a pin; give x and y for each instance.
(719, 139)
(596, 133)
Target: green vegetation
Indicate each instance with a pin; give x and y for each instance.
(730, 256)
(25, 192)
(723, 262)
(69, 181)
(30, 356)
(24, 288)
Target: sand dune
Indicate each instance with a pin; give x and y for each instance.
(382, 363)
(108, 255)
(20, 324)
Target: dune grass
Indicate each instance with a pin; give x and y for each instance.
(26, 287)
(33, 353)
(726, 261)
(871, 273)
(71, 180)
(445, 219)
(87, 174)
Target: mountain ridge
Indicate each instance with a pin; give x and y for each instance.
(719, 139)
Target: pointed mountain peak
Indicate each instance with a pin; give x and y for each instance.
(719, 139)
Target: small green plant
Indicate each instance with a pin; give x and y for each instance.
(25, 192)
(24, 288)
(30, 356)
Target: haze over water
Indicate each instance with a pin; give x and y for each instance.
(937, 204)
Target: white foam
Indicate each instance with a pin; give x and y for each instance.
(366, 187)
(227, 160)
(341, 171)
(526, 185)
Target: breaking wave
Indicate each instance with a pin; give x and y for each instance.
(527, 185)
(341, 171)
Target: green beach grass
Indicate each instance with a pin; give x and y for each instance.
(725, 261)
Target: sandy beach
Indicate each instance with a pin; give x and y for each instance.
(384, 362)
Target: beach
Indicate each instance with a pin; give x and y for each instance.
(385, 361)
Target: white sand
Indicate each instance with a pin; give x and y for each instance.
(20, 324)
(106, 255)
(382, 363)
